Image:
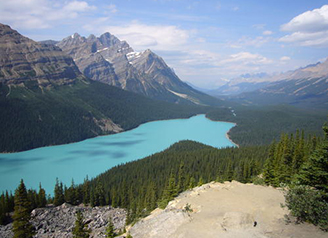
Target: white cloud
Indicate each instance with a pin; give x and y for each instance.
(39, 14)
(201, 40)
(259, 26)
(307, 39)
(285, 58)
(308, 29)
(156, 37)
(78, 6)
(236, 8)
(246, 58)
(112, 8)
(310, 21)
(248, 41)
(267, 33)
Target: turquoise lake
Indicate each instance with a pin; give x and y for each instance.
(94, 156)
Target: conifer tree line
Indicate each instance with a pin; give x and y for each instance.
(142, 185)
(8, 202)
(286, 157)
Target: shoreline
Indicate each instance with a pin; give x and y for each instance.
(114, 133)
(228, 136)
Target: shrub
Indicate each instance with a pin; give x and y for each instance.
(308, 205)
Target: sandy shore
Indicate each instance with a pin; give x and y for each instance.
(228, 136)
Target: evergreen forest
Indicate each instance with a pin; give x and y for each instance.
(296, 160)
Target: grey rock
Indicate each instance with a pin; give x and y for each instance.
(26, 61)
(109, 60)
(58, 222)
(160, 225)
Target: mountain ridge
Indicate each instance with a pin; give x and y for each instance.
(57, 104)
(109, 60)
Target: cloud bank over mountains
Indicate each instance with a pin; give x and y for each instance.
(204, 43)
(308, 29)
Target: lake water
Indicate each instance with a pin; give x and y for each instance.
(94, 156)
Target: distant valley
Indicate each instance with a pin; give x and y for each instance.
(305, 87)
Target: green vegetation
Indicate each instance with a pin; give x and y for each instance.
(110, 229)
(80, 229)
(140, 186)
(22, 227)
(304, 166)
(31, 117)
(261, 125)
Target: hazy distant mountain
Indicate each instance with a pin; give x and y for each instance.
(49, 42)
(305, 87)
(109, 60)
(243, 83)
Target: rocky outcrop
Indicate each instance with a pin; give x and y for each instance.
(58, 222)
(24, 61)
(107, 125)
(224, 210)
(161, 223)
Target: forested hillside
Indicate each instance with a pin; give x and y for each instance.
(31, 117)
(261, 125)
(142, 185)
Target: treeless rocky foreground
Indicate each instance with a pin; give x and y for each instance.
(225, 210)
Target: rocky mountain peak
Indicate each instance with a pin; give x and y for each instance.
(91, 37)
(9, 35)
(23, 59)
(110, 60)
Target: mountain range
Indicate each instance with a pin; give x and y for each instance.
(46, 100)
(306, 87)
(112, 61)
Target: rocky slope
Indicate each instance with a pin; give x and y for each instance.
(224, 210)
(45, 99)
(109, 60)
(23, 60)
(58, 222)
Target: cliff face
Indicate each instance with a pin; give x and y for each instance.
(114, 62)
(24, 60)
(224, 210)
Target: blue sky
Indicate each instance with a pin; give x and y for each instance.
(206, 42)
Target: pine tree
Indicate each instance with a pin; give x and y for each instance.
(200, 181)
(170, 192)
(99, 197)
(80, 229)
(70, 194)
(86, 191)
(42, 200)
(22, 227)
(59, 193)
(268, 171)
(314, 171)
(110, 229)
(192, 183)
(181, 178)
